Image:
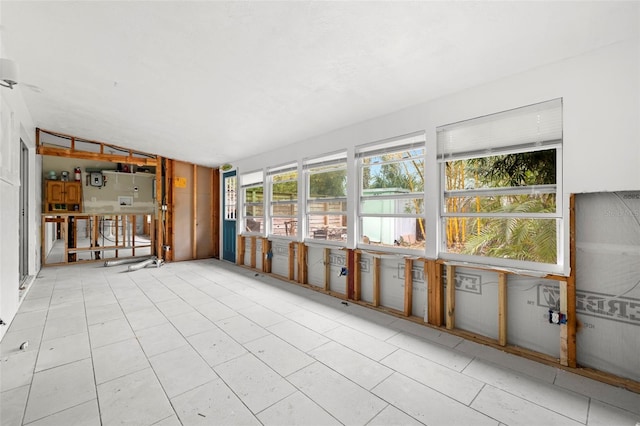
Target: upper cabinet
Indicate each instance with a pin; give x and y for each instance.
(63, 197)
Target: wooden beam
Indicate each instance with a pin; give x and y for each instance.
(253, 251)
(450, 316)
(327, 269)
(194, 212)
(502, 309)
(302, 263)
(158, 216)
(357, 276)
(572, 320)
(266, 256)
(240, 250)
(408, 286)
(292, 267)
(376, 281)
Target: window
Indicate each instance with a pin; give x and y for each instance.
(253, 199)
(501, 178)
(391, 200)
(326, 180)
(284, 200)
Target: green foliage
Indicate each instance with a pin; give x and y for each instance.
(525, 168)
(331, 184)
(515, 238)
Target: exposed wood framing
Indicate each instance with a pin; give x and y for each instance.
(350, 275)
(376, 281)
(240, 250)
(254, 248)
(169, 216)
(502, 309)
(215, 212)
(194, 213)
(435, 290)
(266, 256)
(292, 260)
(99, 156)
(408, 286)
(327, 269)
(451, 298)
(357, 276)
(302, 263)
(159, 214)
(571, 288)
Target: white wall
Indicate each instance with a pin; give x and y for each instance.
(16, 124)
(601, 94)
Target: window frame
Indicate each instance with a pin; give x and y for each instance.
(250, 180)
(311, 167)
(293, 220)
(559, 215)
(406, 143)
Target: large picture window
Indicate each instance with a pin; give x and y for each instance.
(501, 179)
(283, 182)
(326, 207)
(253, 199)
(391, 200)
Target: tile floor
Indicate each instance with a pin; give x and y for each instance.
(208, 343)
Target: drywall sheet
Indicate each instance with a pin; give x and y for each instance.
(608, 282)
(315, 266)
(366, 278)
(528, 304)
(392, 282)
(476, 301)
(280, 259)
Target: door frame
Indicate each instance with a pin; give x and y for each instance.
(229, 217)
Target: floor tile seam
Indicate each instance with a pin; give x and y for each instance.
(62, 365)
(521, 374)
(626, 410)
(33, 372)
(123, 375)
(537, 404)
(435, 390)
(93, 366)
(293, 393)
(368, 334)
(377, 361)
(592, 396)
(370, 392)
(420, 355)
(64, 409)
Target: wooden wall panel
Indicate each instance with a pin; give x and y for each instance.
(204, 213)
(182, 186)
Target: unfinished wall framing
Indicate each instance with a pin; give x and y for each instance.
(505, 309)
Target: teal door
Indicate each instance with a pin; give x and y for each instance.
(229, 209)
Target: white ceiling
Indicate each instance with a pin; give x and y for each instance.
(212, 82)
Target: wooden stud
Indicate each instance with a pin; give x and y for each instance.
(214, 213)
(194, 212)
(240, 250)
(408, 286)
(357, 276)
(438, 296)
(327, 269)
(302, 263)
(117, 226)
(266, 260)
(133, 236)
(292, 268)
(502, 309)
(253, 252)
(376, 281)
(158, 212)
(571, 288)
(451, 298)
